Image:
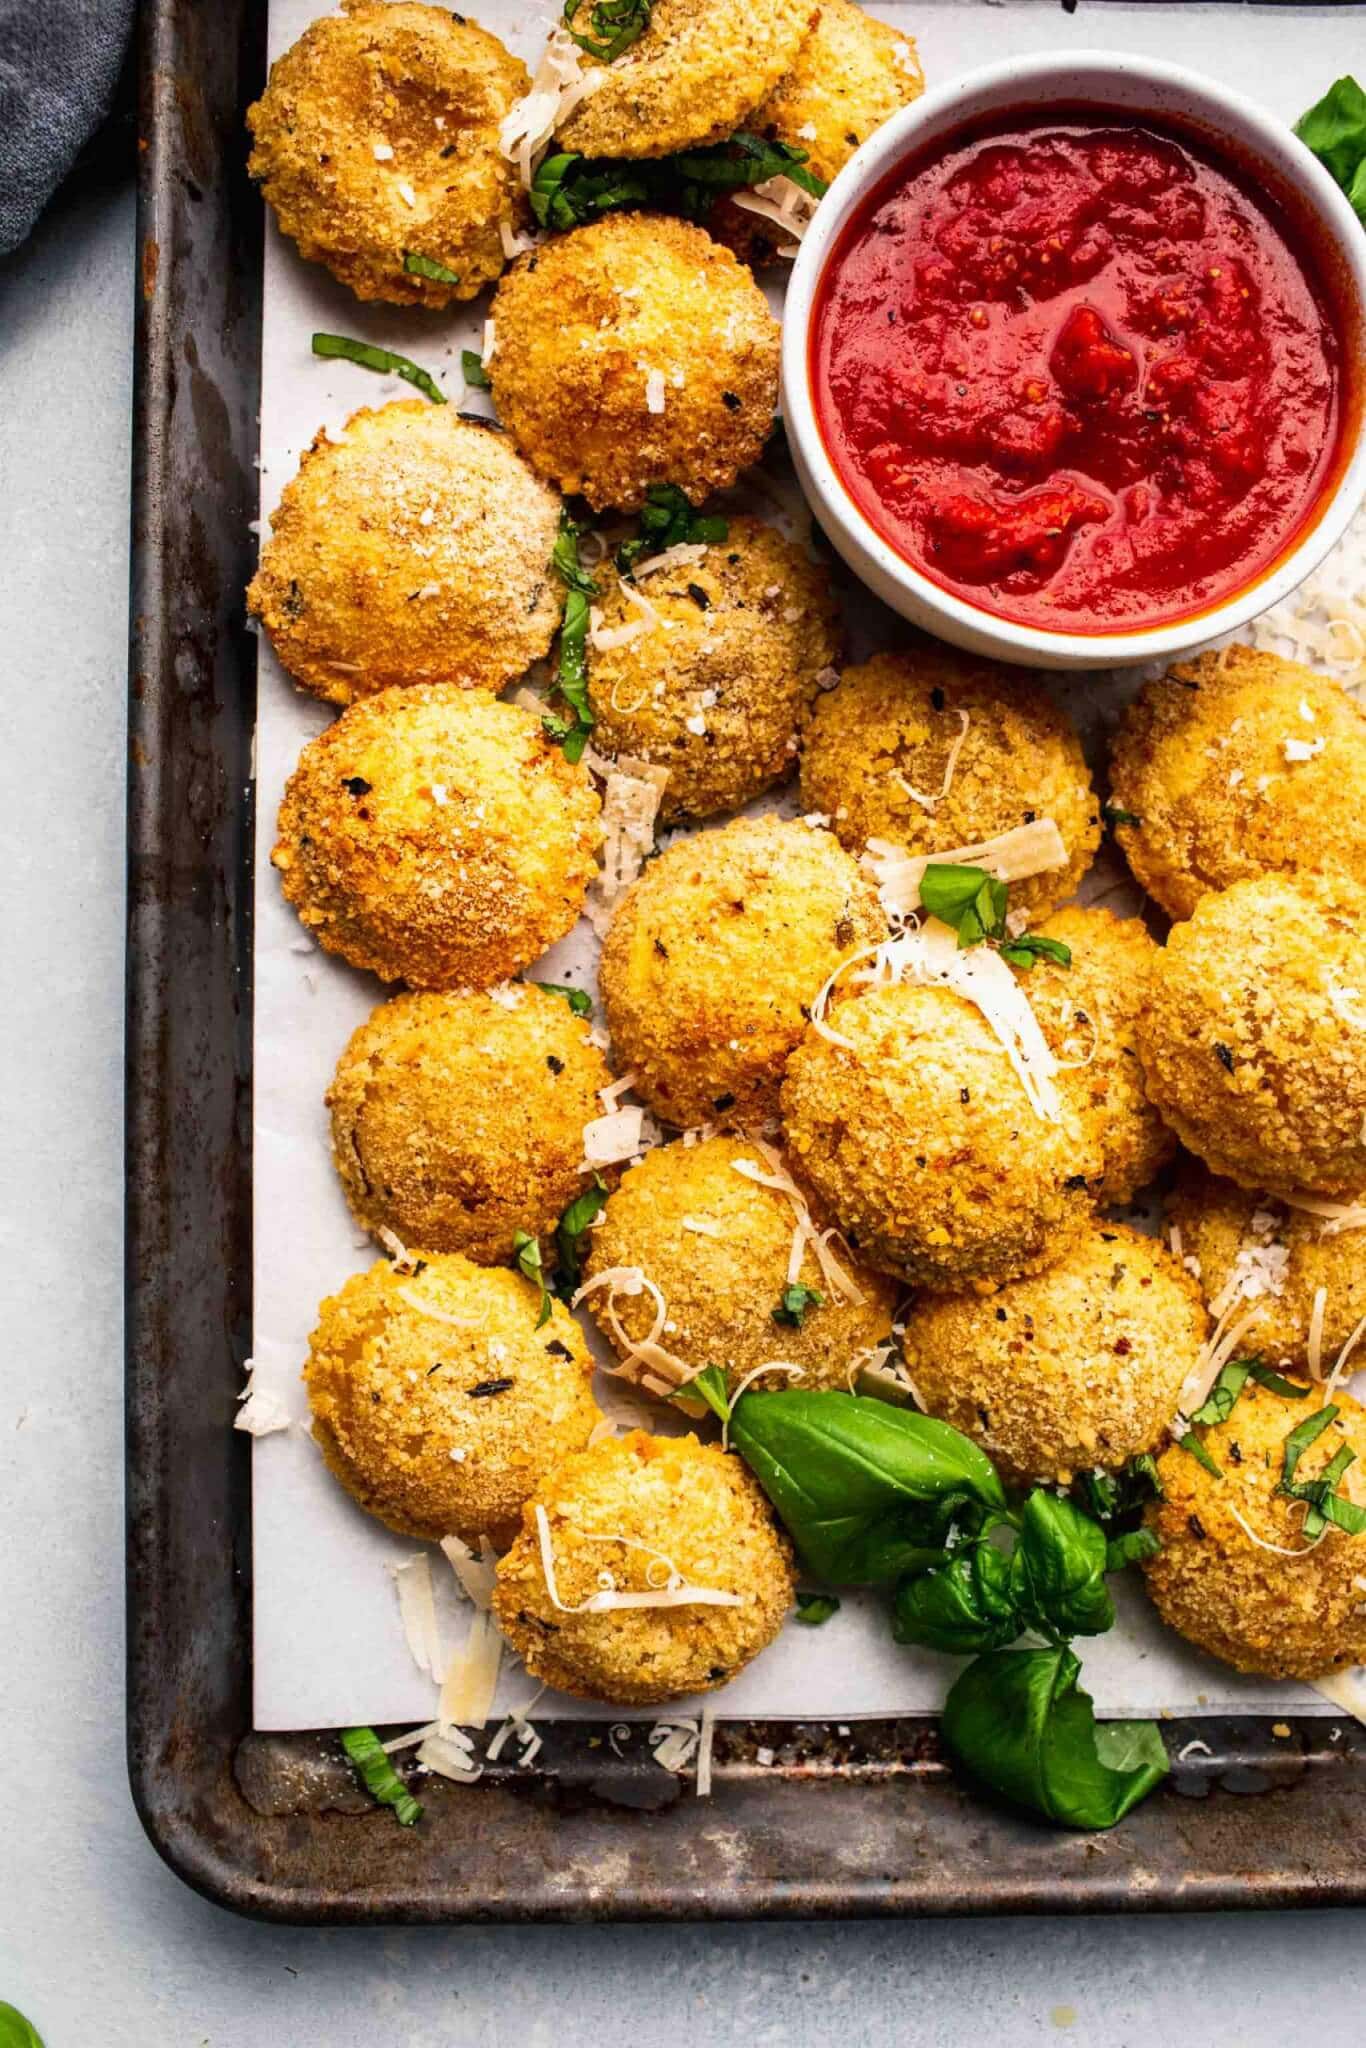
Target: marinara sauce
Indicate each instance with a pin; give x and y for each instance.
(1076, 372)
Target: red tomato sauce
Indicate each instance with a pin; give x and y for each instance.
(1079, 374)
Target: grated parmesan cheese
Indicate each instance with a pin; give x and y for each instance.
(474, 1575)
(1346, 1689)
(684, 554)
(259, 1413)
(705, 1736)
(930, 803)
(632, 793)
(804, 1233)
(675, 1591)
(609, 1139)
(449, 1758)
(560, 84)
(648, 1353)
(437, 1315)
(471, 1676)
(604, 638)
(417, 1612)
(654, 391)
(781, 201)
(1335, 1216)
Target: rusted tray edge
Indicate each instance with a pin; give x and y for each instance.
(871, 1826)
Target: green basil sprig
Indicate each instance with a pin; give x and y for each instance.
(1017, 1723)
(666, 521)
(972, 902)
(710, 1386)
(1335, 130)
(15, 2030)
(1052, 1582)
(866, 1491)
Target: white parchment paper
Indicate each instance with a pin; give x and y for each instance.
(328, 1647)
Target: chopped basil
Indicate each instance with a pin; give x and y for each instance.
(742, 160)
(381, 1780)
(614, 26)
(1326, 1504)
(1335, 130)
(427, 266)
(709, 1385)
(667, 520)
(1191, 1444)
(383, 359)
(569, 190)
(1032, 946)
(527, 1250)
(1129, 1548)
(1300, 1438)
(578, 999)
(571, 1235)
(572, 679)
(1113, 1496)
(1218, 1404)
(1115, 814)
(795, 1302)
(473, 371)
(814, 1608)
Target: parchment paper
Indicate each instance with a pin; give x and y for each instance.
(328, 1647)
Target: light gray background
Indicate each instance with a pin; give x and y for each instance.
(99, 1944)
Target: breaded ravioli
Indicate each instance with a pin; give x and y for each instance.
(696, 72)
(1070, 1369)
(667, 1517)
(717, 1243)
(1252, 1039)
(457, 1120)
(1089, 1015)
(413, 548)
(1236, 1575)
(435, 836)
(921, 1143)
(714, 956)
(377, 139)
(1278, 1264)
(633, 352)
(851, 74)
(438, 1403)
(1239, 764)
(719, 686)
(934, 751)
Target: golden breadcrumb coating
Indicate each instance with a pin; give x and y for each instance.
(457, 1120)
(656, 1505)
(923, 1146)
(1280, 1259)
(438, 1403)
(435, 836)
(633, 352)
(1299, 1616)
(1252, 1038)
(1239, 764)
(377, 137)
(714, 956)
(1089, 1015)
(718, 691)
(1074, 1368)
(694, 75)
(851, 74)
(717, 1245)
(889, 729)
(413, 548)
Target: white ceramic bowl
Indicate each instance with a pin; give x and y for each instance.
(1256, 144)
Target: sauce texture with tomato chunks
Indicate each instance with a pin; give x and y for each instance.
(1077, 374)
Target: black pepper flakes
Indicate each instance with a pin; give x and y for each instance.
(731, 400)
(699, 597)
(484, 1388)
(723, 1102)
(937, 698)
(556, 1349)
(1196, 1527)
(1224, 1057)
(357, 785)
(555, 1064)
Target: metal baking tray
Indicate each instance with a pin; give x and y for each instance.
(846, 1821)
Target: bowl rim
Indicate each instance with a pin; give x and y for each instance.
(1085, 77)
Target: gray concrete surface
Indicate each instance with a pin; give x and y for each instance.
(99, 1944)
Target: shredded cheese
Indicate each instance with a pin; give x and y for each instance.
(1346, 1689)
(417, 1612)
(1313, 1349)
(685, 554)
(654, 391)
(603, 639)
(438, 1315)
(610, 1598)
(646, 1352)
(805, 1235)
(1215, 1353)
(1335, 1216)
(703, 1226)
(633, 791)
(471, 1677)
(609, 1139)
(474, 1575)
(403, 1259)
(1263, 1543)
(674, 1743)
(442, 1754)
(559, 86)
(705, 1736)
(781, 201)
(259, 1413)
(930, 803)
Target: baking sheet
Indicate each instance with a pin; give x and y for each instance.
(327, 1644)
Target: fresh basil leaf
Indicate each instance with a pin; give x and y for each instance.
(794, 1303)
(967, 899)
(382, 359)
(1115, 814)
(473, 371)
(866, 1491)
(15, 2030)
(1130, 1548)
(527, 1252)
(709, 1385)
(571, 1235)
(1113, 1496)
(1032, 946)
(1017, 1723)
(613, 26)
(1058, 1569)
(963, 1606)
(1335, 130)
(815, 1608)
(427, 266)
(380, 1778)
(578, 999)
